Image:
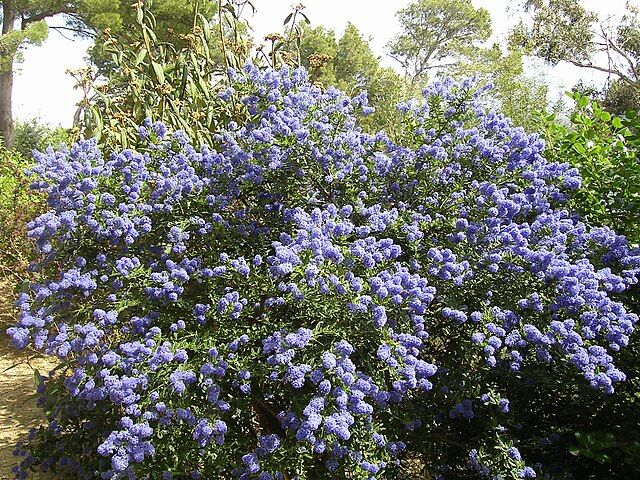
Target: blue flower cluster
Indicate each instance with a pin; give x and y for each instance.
(273, 305)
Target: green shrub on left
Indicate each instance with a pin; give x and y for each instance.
(18, 205)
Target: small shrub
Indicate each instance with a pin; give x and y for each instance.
(18, 205)
(300, 299)
(34, 135)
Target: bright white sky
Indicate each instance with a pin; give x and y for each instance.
(43, 90)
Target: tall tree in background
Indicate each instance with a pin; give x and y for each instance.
(24, 23)
(349, 64)
(449, 38)
(357, 68)
(566, 31)
(515, 93)
(20, 27)
(436, 33)
(318, 51)
(174, 20)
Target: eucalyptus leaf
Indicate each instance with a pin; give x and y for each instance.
(158, 70)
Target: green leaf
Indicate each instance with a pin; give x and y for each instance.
(288, 19)
(97, 118)
(157, 68)
(583, 102)
(578, 147)
(582, 438)
(572, 137)
(37, 377)
(231, 10)
(575, 451)
(140, 57)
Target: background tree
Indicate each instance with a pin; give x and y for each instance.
(178, 84)
(24, 23)
(448, 39)
(565, 31)
(620, 97)
(437, 33)
(320, 45)
(31, 30)
(355, 64)
(350, 64)
(515, 93)
(174, 20)
(358, 69)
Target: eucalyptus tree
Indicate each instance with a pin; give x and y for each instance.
(567, 31)
(436, 34)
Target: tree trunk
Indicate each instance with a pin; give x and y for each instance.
(6, 117)
(6, 78)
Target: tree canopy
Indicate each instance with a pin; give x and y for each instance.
(566, 31)
(515, 92)
(435, 33)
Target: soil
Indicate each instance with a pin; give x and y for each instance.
(18, 409)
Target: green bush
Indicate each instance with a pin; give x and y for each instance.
(34, 135)
(18, 205)
(604, 148)
(188, 278)
(302, 299)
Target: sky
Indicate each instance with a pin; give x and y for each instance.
(43, 89)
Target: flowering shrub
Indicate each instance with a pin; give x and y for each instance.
(305, 300)
(603, 147)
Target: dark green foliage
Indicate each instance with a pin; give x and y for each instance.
(598, 438)
(604, 147)
(620, 97)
